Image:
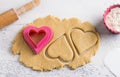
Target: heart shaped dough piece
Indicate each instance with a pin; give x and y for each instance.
(60, 49)
(83, 40)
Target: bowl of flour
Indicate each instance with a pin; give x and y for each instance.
(112, 18)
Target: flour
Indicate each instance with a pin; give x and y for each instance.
(113, 19)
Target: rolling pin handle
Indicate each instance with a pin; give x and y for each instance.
(8, 17)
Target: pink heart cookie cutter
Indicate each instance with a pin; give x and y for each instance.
(45, 33)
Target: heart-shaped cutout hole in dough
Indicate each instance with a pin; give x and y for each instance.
(83, 40)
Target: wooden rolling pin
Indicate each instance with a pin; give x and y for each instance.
(12, 15)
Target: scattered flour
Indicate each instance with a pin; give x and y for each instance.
(113, 19)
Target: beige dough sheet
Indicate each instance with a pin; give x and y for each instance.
(73, 45)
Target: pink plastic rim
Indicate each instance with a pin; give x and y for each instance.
(42, 43)
(106, 13)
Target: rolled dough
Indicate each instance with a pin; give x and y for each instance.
(73, 45)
